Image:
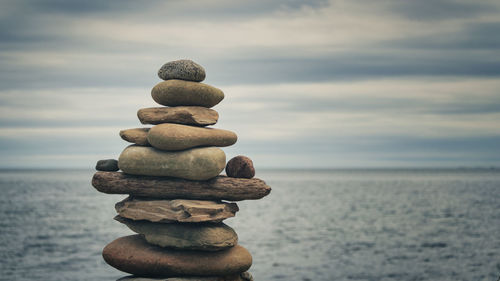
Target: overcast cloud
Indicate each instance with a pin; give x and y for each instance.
(307, 83)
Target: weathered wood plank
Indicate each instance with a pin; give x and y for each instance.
(218, 188)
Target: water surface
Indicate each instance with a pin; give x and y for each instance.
(315, 225)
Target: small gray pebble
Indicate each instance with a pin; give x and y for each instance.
(109, 165)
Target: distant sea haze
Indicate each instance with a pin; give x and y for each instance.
(321, 225)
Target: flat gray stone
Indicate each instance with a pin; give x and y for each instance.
(137, 135)
(184, 236)
(107, 165)
(177, 210)
(181, 93)
(187, 115)
(174, 137)
(193, 164)
(183, 70)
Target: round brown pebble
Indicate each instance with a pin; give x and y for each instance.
(240, 167)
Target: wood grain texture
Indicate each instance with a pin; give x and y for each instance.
(218, 188)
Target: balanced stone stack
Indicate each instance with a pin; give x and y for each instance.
(177, 199)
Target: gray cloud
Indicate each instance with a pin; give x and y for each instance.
(311, 83)
(425, 10)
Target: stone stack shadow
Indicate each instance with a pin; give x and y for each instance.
(177, 199)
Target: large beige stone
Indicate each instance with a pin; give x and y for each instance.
(177, 210)
(187, 236)
(179, 92)
(188, 115)
(180, 137)
(193, 164)
(137, 135)
(134, 255)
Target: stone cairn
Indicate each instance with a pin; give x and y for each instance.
(177, 199)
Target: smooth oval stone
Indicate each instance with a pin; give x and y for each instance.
(179, 137)
(132, 254)
(188, 115)
(107, 165)
(193, 164)
(244, 276)
(240, 167)
(179, 92)
(177, 210)
(187, 236)
(138, 136)
(182, 69)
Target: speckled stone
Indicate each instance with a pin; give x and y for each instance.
(193, 164)
(240, 167)
(183, 70)
(187, 236)
(137, 135)
(174, 137)
(186, 93)
(107, 165)
(132, 254)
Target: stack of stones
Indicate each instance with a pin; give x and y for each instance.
(177, 199)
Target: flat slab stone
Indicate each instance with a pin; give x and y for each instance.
(188, 115)
(175, 137)
(177, 210)
(182, 69)
(218, 188)
(179, 93)
(193, 164)
(138, 136)
(245, 276)
(132, 254)
(184, 236)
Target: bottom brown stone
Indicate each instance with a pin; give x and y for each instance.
(132, 254)
(245, 276)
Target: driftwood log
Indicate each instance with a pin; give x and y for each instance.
(218, 188)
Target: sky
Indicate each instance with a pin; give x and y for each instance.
(308, 84)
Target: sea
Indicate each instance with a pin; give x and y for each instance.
(315, 225)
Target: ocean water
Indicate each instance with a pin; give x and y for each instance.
(315, 225)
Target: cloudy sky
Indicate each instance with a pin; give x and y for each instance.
(354, 83)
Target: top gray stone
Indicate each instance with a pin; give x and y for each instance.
(183, 70)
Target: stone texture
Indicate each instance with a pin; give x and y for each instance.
(193, 164)
(138, 136)
(218, 188)
(240, 167)
(177, 210)
(182, 69)
(244, 276)
(175, 137)
(132, 254)
(110, 165)
(187, 236)
(188, 115)
(179, 92)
